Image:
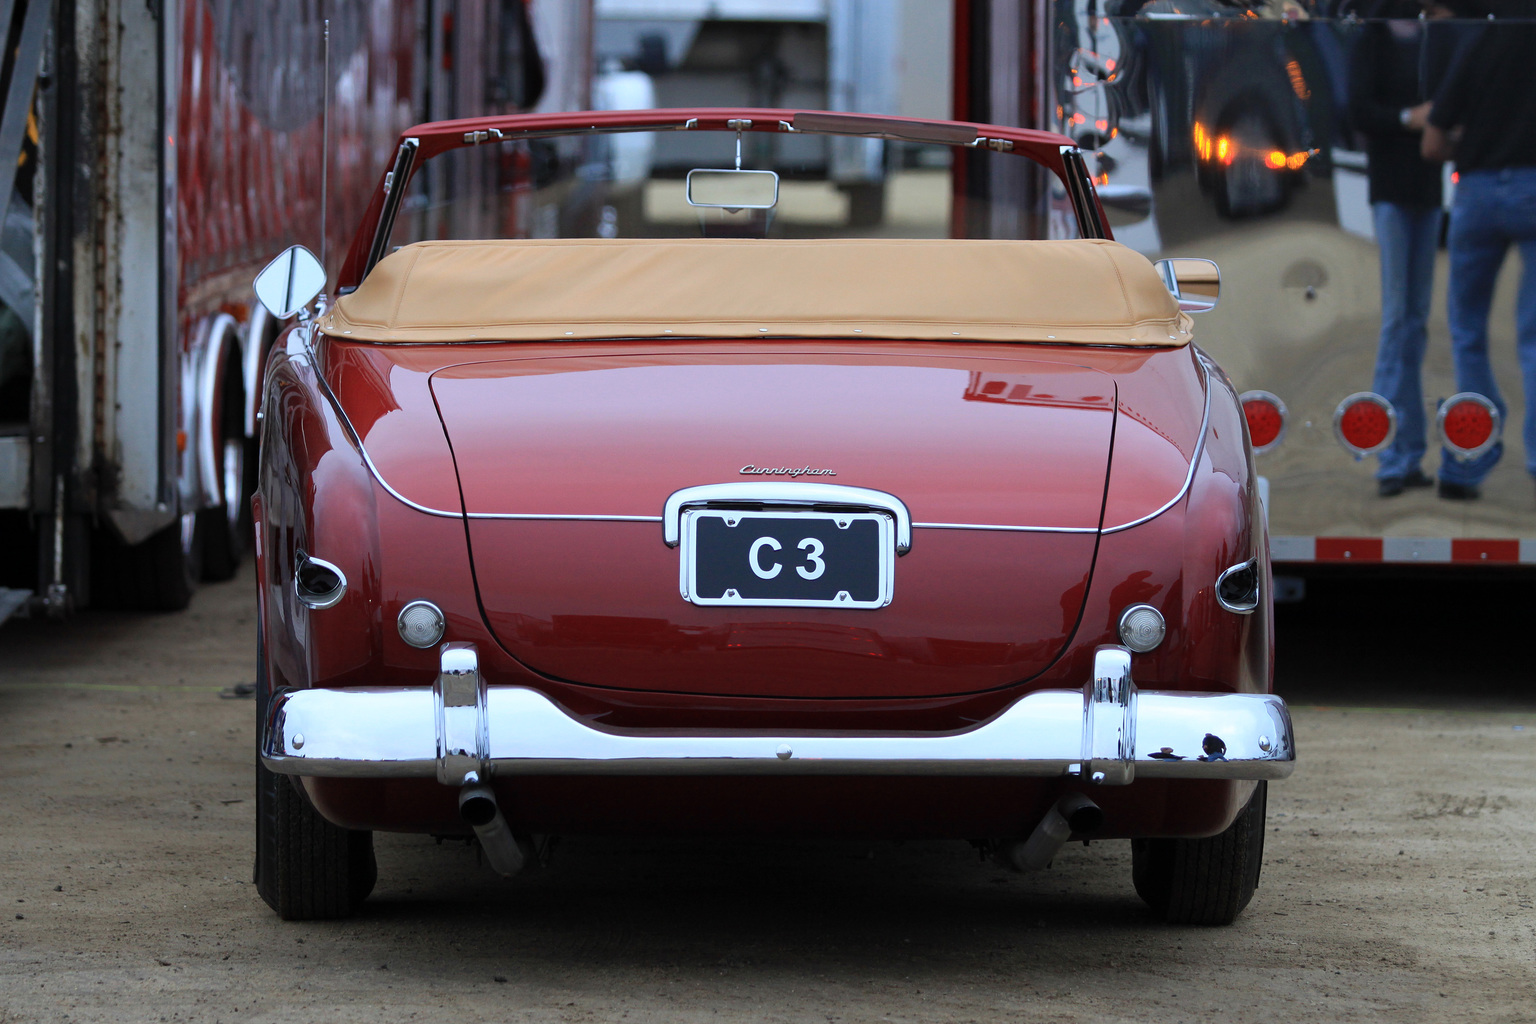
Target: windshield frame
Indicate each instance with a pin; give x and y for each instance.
(1056, 153)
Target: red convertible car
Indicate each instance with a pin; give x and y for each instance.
(640, 474)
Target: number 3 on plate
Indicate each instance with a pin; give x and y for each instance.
(814, 548)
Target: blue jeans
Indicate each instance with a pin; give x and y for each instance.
(1407, 236)
(1492, 210)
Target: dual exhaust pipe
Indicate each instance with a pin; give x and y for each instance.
(1073, 814)
(478, 807)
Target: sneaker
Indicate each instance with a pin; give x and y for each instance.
(1458, 492)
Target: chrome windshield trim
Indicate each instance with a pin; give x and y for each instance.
(1194, 462)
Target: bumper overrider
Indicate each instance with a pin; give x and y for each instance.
(462, 731)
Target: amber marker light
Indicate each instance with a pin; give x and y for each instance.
(1365, 423)
(1469, 424)
(1266, 416)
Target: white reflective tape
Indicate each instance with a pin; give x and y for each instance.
(1293, 549)
(1527, 551)
(1416, 549)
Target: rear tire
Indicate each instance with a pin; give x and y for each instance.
(307, 869)
(1203, 881)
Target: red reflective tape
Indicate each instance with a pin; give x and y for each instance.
(1349, 549)
(1485, 551)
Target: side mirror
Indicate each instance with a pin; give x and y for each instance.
(733, 190)
(290, 282)
(1195, 283)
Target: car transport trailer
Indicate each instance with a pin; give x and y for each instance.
(1225, 130)
(166, 152)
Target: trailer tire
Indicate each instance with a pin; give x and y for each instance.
(159, 575)
(307, 869)
(228, 527)
(1203, 881)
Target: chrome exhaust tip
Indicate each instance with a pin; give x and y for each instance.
(478, 808)
(1073, 814)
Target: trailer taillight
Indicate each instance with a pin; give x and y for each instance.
(1468, 424)
(1266, 416)
(1365, 423)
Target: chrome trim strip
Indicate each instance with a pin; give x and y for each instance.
(1194, 462)
(391, 732)
(1005, 529)
(784, 493)
(897, 507)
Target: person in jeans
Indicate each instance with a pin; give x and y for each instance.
(1389, 104)
(1484, 117)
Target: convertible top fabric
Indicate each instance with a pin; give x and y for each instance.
(1089, 292)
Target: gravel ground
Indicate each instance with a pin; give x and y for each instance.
(1398, 881)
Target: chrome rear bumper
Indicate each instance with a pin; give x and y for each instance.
(460, 729)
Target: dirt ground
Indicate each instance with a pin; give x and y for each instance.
(1398, 882)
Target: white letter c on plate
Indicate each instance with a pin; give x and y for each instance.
(757, 567)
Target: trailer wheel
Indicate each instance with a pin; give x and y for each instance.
(307, 869)
(227, 527)
(159, 575)
(1203, 881)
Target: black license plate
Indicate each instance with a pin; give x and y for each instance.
(788, 559)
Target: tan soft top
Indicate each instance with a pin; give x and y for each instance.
(1090, 292)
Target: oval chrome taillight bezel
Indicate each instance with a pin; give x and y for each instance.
(1238, 588)
(1272, 403)
(317, 584)
(1360, 447)
(1445, 425)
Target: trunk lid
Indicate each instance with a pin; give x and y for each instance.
(565, 464)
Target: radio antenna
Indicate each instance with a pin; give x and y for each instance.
(325, 141)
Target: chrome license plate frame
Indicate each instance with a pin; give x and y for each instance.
(866, 537)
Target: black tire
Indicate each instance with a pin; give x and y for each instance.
(307, 869)
(1203, 881)
(158, 575)
(227, 527)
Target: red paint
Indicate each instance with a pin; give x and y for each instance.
(1485, 551)
(1348, 549)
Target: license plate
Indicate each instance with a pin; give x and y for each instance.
(788, 559)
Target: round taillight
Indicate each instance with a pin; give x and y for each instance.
(1469, 424)
(421, 624)
(1365, 423)
(1266, 416)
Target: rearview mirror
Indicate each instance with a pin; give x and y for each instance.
(733, 190)
(1195, 283)
(290, 282)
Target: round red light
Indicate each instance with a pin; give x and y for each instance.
(1469, 424)
(1266, 416)
(1365, 423)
